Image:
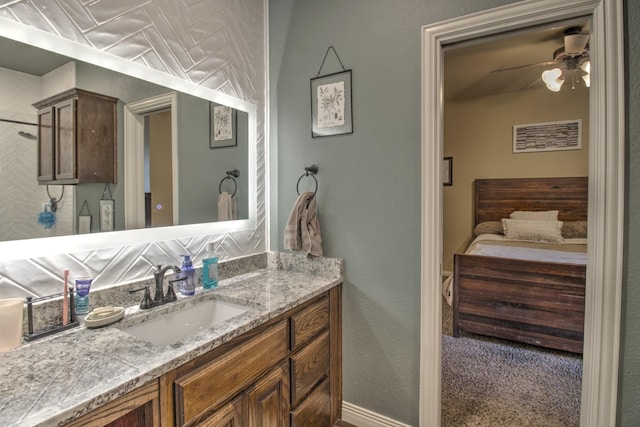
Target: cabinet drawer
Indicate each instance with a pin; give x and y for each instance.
(308, 322)
(308, 367)
(224, 377)
(315, 411)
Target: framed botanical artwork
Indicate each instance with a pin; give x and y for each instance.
(84, 219)
(447, 171)
(222, 121)
(331, 104)
(106, 215)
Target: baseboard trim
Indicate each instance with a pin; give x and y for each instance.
(365, 418)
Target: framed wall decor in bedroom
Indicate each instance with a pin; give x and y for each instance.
(549, 136)
(447, 171)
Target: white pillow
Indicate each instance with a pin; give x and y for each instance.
(533, 230)
(535, 215)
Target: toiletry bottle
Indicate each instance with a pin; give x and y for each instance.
(186, 275)
(209, 269)
(83, 286)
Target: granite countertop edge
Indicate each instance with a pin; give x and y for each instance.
(58, 379)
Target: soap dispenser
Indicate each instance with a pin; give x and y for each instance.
(186, 277)
(209, 269)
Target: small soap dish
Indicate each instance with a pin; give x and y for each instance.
(103, 316)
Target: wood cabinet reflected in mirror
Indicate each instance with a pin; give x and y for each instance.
(29, 76)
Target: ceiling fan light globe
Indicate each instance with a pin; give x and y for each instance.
(586, 67)
(553, 79)
(575, 44)
(555, 87)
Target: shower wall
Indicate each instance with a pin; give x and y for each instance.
(21, 198)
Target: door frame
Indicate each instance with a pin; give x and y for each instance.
(134, 133)
(606, 193)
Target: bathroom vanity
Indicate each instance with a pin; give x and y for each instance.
(278, 363)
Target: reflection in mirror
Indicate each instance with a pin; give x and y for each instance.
(181, 186)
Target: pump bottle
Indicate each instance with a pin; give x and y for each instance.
(186, 277)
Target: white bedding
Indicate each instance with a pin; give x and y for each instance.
(490, 245)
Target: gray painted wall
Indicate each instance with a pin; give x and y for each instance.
(369, 182)
(201, 168)
(629, 378)
(126, 89)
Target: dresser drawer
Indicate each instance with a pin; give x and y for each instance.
(308, 367)
(315, 410)
(222, 378)
(309, 322)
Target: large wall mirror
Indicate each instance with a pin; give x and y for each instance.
(186, 160)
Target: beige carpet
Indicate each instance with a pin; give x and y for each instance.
(491, 382)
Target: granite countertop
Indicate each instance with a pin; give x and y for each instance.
(56, 379)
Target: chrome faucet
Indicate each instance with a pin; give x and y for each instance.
(160, 298)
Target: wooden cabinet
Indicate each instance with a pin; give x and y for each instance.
(45, 145)
(230, 415)
(139, 408)
(77, 138)
(268, 399)
(200, 390)
(287, 372)
(311, 366)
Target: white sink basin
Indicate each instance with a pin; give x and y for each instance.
(180, 324)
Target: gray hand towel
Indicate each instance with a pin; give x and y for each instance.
(302, 232)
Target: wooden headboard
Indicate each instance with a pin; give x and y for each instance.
(497, 198)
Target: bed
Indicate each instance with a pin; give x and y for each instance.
(533, 301)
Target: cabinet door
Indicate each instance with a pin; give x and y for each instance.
(140, 408)
(230, 415)
(65, 140)
(45, 144)
(268, 400)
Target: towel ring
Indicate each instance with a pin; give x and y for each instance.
(232, 175)
(309, 171)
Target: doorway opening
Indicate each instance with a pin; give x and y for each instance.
(606, 193)
(139, 119)
(493, 85)
(158, 189)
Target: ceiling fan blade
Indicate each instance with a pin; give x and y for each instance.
(531, 84)
(499, 70)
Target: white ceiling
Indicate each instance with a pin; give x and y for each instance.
(468, 65)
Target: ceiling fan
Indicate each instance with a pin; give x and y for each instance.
(570, 61)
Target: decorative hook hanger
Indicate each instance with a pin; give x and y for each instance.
(309, 171)
(325, 57)
(232, 174)
(54, 202)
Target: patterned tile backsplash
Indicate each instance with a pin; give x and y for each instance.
(219, 44)
(49, 312)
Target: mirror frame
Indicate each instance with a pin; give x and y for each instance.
(39, 247)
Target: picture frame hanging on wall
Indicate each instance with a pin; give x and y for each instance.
(106, 215)
(84, 219)
(447, 171)
(107, 211)
(331, 104)
(222, 121)
(548, 136)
